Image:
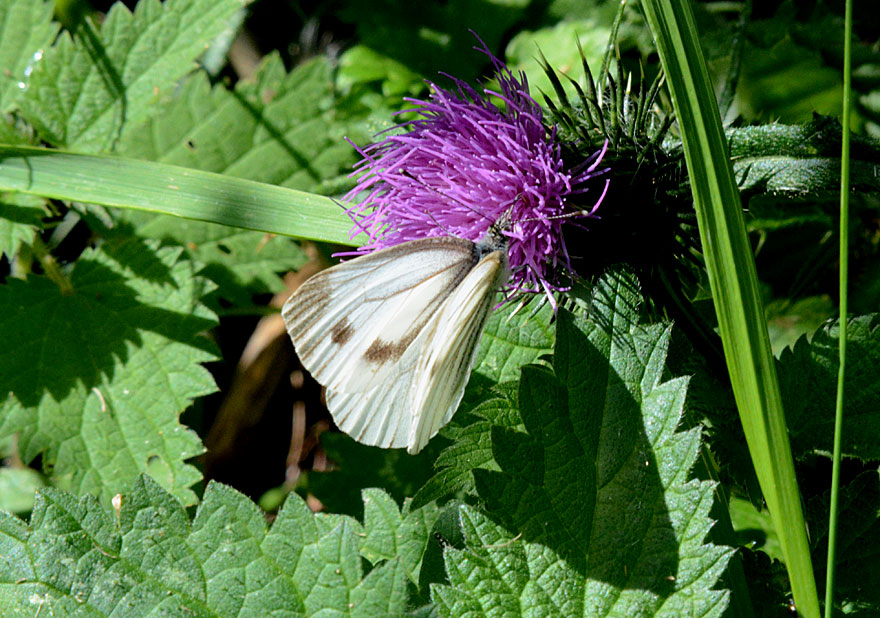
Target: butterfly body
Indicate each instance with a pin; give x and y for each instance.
(393, 335)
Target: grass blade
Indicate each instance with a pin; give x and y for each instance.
(844, 277)
(172, 190)
(734, 284)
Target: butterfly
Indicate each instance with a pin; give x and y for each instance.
(392, 335)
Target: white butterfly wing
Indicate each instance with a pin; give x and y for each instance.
(426, 385)
(379, 416)
(452, 337)
(353, 323)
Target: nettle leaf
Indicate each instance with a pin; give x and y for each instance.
(28, 30)
(97, 376)
(86, 87)
(150, 559)
(592, 511)
(798, 161)
(357, 466)
(240, 262)
(808, 381)
(510, 341)
(392, 533)
(279, 128)
(472, 447)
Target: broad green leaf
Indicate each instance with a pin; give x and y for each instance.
(279, 128)
(558, 44)
(471, 448)
(17, 487)
(149, 559)
(86, 87)
(392, 532)
(808, 378)
(512, 340)
(362, 65)
(95, 377)
(28, 30)
(594, 512)
(586, 481)
(241, 263)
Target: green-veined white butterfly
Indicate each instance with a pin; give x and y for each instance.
(392, 335)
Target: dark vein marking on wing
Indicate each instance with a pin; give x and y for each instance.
(342, 331)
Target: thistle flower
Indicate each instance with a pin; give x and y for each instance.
(463, 164)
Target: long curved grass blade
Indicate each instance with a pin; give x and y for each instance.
(734, 284)
(172, 190)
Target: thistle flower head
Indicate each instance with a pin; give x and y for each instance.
(465, 162)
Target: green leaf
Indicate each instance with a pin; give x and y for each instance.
(362, 65)
(279, 128)
(592, 511)
(733, 281)
(358, 466)
(510, 341)
(172, 190)
(392, 533)
(97, 376)
(808, 379)
(798, 161)
(149, 559)
(471, 448)
(241, 263)
(558, 44)
(86, 87)
(20, 218)
(17, 487)
(27, 29)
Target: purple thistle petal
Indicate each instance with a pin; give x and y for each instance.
(462, 165)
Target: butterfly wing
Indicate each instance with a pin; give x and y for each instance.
(426, 385)
(452, 337)
(352, 324)
(379, 416)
